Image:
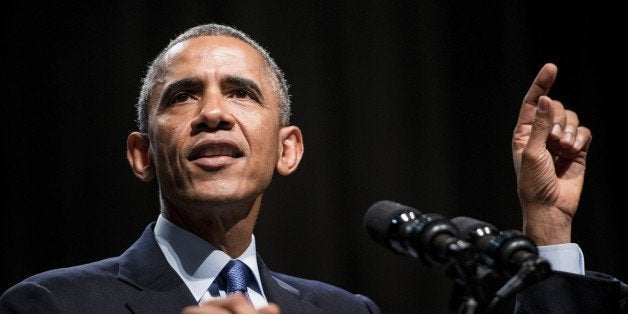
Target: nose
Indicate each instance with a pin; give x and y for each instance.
(213, 114)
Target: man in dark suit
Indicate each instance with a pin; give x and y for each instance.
(213, 117)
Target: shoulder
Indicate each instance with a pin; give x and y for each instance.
(54, 289)
(97, 275)
(76, 275)
(327, 296)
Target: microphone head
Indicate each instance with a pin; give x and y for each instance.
(470, 227)
(383, 215)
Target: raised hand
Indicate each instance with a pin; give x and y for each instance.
(549, 152)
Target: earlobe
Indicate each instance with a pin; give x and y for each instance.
(137, 153)
(290, 149)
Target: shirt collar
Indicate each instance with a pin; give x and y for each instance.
(198, 262)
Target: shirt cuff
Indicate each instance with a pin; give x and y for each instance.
(566, 257)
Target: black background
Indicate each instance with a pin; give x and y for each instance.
(408, 101)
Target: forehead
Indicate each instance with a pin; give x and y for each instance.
(210, 54)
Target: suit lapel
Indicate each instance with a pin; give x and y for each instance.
(285, 296)
(161, 290)
(144, 267)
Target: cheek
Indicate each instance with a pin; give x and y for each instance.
(166, 144)
(264, 144)
(170, 124)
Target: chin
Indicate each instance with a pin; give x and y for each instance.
(218, 193)
(218, 197)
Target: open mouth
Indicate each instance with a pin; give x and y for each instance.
(209, 149)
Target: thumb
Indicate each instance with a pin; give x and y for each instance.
(542, 124)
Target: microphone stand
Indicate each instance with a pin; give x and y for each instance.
(470, 278)
(531, 271)
(467, 275)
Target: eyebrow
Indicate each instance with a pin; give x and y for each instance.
(246, 83)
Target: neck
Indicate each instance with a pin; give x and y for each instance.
(226, 226)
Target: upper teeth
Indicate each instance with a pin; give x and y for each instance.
(219, 150)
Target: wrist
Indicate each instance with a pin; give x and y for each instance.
(546, 225)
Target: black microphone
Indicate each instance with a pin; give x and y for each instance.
(405, 230)
(507, 250)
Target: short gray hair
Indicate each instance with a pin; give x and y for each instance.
(157, 67)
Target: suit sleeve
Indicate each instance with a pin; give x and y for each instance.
(28, 297)
(569, 293)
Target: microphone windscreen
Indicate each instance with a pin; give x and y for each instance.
(379, 216)
(467, 225)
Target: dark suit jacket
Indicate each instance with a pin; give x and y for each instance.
(595, 293)
(142, 281)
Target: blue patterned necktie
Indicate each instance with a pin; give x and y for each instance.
(236, 275)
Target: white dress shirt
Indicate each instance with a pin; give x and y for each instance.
(199, 263)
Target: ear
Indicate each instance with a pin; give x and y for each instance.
(290, 149)
(138, 155)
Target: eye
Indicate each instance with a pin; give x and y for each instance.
(242, 93)
(180, 97)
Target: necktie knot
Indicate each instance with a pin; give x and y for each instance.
(236, 275)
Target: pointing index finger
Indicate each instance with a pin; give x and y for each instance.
(540, 87)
